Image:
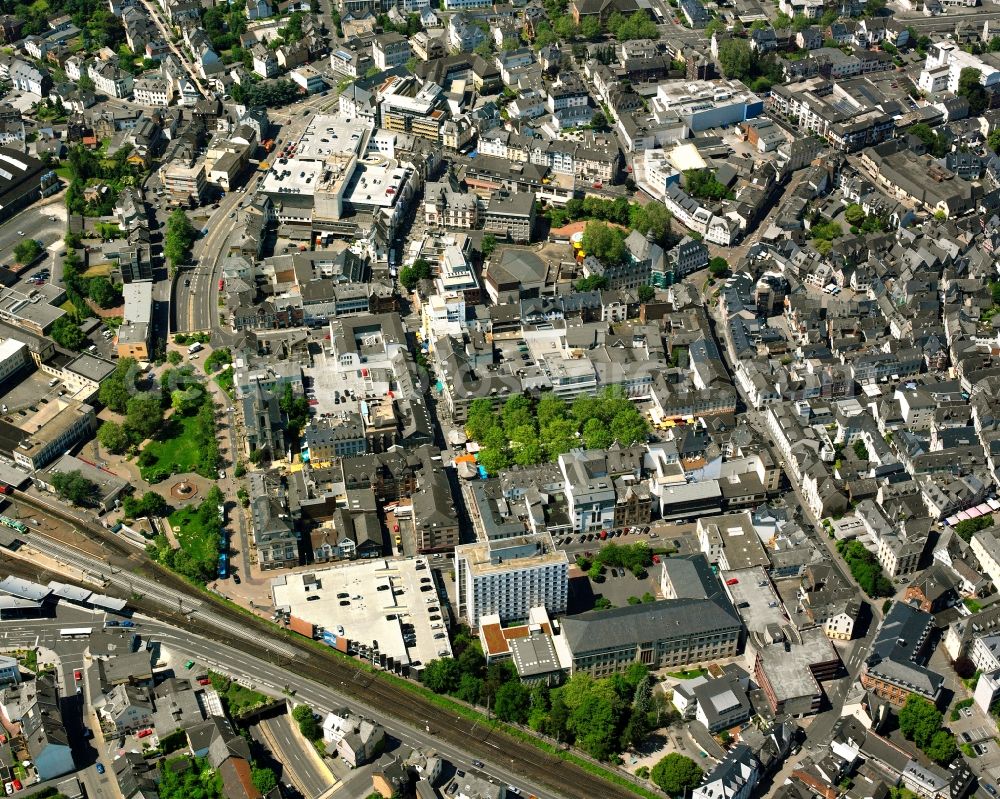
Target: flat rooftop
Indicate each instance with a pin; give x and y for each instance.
(361, 596)
(373, 186)
(293, 176)
(482, 560)
(754, 589)
(330, 135)
(788, 666)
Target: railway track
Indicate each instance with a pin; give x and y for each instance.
(217, 621)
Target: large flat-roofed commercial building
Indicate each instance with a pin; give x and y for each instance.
(668, 633)
(706, 104)
(363, 605)
(14, 357)
(509, 577)
(731, 541)
(291, 185)
(789, 671)
(34, 309)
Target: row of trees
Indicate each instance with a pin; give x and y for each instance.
(865, 569)
(602, 717)
(920, 721)
(179, 238)
(530, 430)
(634, 557)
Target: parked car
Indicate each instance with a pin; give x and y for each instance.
(100, 768)
(78, 675)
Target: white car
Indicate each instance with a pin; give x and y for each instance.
(513, 789)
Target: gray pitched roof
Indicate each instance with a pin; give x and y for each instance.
(668, 618)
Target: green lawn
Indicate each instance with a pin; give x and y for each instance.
(199, 541)
(175, 453)
(688, 674)
(237, 698)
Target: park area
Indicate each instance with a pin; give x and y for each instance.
(198, 531)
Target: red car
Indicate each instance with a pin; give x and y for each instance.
(77, 675)
(204, 681)
(656, 558)
(17, 785)
(144, 733)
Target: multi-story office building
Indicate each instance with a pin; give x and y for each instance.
(409, 107)
(511, 216)
(509, 577)
(669, 633)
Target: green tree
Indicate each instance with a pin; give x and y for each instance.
(511, 702)
(598, 120)
(967, 528)
(113, 437)
(596, 435)
(489, 244)
(591, 283)
(179, 237)
(971, 88)
(646, 293)
(702, 183)
(676, 774)
(854, 214)
(115, 390)
(104, 292)
(144, 414)
(604, 242)
(718, 266)
(68, 334)
(651, 220)
(308, 725)
(409, 276)
(74, 487)
(919, 720)
(549, 408)
(441, 676)
(590, 28)
(186, 401)
(27, 250)
(736, 58)
(941, 748)
(263, 779)
(558, 437)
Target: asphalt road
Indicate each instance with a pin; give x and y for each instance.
(289, 749)
(196, 306)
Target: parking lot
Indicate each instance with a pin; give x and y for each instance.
(389, 606)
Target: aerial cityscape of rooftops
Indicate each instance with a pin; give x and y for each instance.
(456, 399)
